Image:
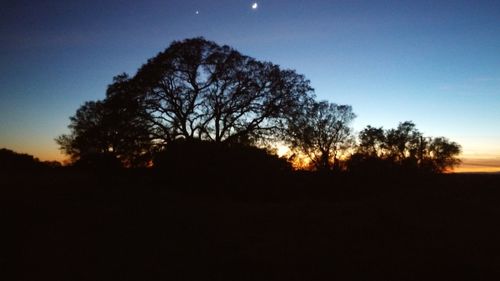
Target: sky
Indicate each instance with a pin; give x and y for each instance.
(436, 63)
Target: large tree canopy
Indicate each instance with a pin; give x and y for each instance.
(195, 89)
(198, 89)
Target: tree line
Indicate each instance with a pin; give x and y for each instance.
(13, 161)
(197, 90)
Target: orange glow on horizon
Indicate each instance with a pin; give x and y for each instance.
(42, 155)
(479, 165)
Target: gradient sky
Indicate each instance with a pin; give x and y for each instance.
(436, 63)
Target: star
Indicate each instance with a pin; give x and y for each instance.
(197, 12)
(255, 6)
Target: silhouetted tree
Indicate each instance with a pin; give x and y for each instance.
(10, 160)
(403, 143)
(127, 123)
(87, 133)
(195, 89)
(114, 126)
(198, 89)
(404, 147)
(369, 154)
(439, 155)
(371, 141)
(321, 131)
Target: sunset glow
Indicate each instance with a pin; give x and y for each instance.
(479, 165)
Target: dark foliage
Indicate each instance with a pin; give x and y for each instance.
(199, 91)
(403, 149)
(13, 161)
(10, 160)
(195, 89)
(321, 132)
(370, 165)
(111, 126)
(195, 158)
(104, 162)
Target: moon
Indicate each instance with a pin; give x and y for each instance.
(255, 6)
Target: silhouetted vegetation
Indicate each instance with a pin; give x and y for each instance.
(113, 126)
(321, 132)
(13, 161)
(195, 89)
(196, 156)
(201, 92)
(103, 161)
(403, 149)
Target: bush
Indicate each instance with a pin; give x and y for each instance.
(12, 161)
(194, 157)
(99, 161)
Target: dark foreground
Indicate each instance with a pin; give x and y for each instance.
(138, 225)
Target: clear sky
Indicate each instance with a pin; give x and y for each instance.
(436, 63)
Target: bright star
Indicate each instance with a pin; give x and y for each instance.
(255, 6)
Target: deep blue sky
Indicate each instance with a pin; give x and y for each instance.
(434, 62)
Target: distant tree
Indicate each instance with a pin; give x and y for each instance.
(198, 89)
(440, 155)
(87, 133)
(369, 154)
(403, 143)
(13, 161)
(404, 147)
(321, 131)
(371, 141)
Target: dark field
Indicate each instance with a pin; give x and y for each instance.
(141, 225)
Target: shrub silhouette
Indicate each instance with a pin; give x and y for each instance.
(369, 165)
(403, 149)
(99, 162)
(195, 157)
(10, 161)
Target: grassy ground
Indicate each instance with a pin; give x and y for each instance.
(138, 225)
